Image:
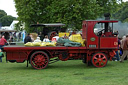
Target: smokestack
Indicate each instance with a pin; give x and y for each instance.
(107, 16)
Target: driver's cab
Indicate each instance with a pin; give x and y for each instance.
(99, 34)
(104, 29)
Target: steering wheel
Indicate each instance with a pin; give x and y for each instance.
(100, 32)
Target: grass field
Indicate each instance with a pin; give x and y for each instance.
(72, 72)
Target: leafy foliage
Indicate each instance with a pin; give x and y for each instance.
(2, 13)
(122, 13)
(70, 12)
(5, 19)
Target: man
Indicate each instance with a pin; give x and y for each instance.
(2, 42)
(55, 38)
(124, 48)
(27, 39)
(117, 54)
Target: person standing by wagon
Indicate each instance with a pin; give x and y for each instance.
(2, 41)
(117, 53)
(124, 48)
(1, 55)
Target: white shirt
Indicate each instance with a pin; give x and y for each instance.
(37, 40)
(46, 40)
(55, 38)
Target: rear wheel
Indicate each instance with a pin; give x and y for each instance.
(39, 60)
(99, 59)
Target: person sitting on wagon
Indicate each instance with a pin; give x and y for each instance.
(46, 39)
(32, 38)
(65, 36)
(27, 39)
(55, 38)
(37, 39)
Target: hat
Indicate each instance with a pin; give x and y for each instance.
(38, 37)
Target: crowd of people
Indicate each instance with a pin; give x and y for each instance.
(29, 38)
(122, 53)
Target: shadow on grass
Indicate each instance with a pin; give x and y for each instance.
(50, 66)
(58, 65)
(19, 68)
(69, 66)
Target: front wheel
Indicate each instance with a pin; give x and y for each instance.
(39, 60)
(99, 59)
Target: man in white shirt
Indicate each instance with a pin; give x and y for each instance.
(46, 39)
(55, 38)
(37, 39)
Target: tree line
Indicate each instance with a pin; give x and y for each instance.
(69, 12)
(5, 20)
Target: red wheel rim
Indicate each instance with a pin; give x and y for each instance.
(39, 60)
(52, 35)
(99, 60)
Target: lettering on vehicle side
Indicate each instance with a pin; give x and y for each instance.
(92, 46)
(115, 43)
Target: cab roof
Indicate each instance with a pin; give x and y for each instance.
(49, 25)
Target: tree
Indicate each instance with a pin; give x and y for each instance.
(71, 12)
(2, 13)
(7, 20)
(122, 13)
(31, 12)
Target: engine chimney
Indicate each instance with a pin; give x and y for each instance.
(107, 16)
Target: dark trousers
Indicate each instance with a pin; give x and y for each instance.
(1, 46)
(116, 57)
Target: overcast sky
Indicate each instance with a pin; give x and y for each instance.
(9, 7)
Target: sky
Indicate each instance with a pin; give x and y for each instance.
(9, 7)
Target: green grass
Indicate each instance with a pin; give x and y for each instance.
(72, 72)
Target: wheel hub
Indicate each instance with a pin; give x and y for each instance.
(39, 60)
(100, 59)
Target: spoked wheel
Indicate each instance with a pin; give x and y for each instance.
(51, 34)
(99, 60)
(39, 60)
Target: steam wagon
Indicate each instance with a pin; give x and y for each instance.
(49, 29)
(99, 47)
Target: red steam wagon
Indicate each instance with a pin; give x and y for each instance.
(100, 46)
